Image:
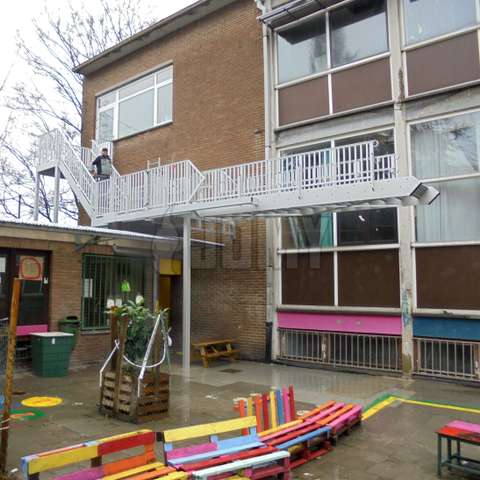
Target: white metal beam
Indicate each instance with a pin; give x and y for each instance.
(56, 199)
(187, 293)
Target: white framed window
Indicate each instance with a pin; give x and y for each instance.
(324, 41)
(135, 107)
(428, 19)
(445, 153)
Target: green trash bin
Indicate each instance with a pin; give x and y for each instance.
(51, 353)
(70, 324)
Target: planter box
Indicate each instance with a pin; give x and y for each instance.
(152, 404)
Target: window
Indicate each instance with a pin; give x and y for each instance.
(425, 19)
(136, 107)
(358, 31)
(308, 232)
(302, 50)
(445, 149)
(365, 227)
(102, 278)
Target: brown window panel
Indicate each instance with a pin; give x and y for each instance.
(361, 86)
(369, 278)
(443, 64)
(303, 101)
(448, 277)
(307, 279)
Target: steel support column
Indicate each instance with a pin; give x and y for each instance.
(36, 206)
(56, 198)
(187, 293)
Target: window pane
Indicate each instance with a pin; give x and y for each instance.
(367, 227)
(446, 147)
(105, 126)
(358, 30)
(164, 104)
(302, 50)
(136, 114)
(450, 218)
(307, 232)
(106, 99)
(386, 144)
(164, 75)
(426, 19)
(137, 86)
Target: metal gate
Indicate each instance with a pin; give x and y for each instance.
(348, 350)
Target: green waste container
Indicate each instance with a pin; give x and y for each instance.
(51, 353)
(70, 324)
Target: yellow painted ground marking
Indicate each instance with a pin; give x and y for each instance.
(380, 406)
(439, 405)
(42, 402)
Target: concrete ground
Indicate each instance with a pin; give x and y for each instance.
(396, 443)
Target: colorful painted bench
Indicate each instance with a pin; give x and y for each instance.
(210, 349)
(272, 408)
(139, 466)
(243, 455)
(458, 432)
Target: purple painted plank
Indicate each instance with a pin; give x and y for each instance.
(384, 325)
(87, 474)
(192, 450)
(469, 427)
(345, 418)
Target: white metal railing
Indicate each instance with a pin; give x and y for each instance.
(447, 358)
(347, 350)
(181, 183)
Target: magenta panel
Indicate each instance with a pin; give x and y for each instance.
(383, 325)
(24, 330)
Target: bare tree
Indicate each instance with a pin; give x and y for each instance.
(51, 94)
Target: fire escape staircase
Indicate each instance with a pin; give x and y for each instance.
(340, 178)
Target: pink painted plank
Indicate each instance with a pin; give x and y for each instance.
(87, 474)
(382, 324)
(24, 330)
(469, 427)
(286, 405)
(327, 412)
(192, 450)
(343, 419)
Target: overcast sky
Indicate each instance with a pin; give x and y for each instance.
(16, 15)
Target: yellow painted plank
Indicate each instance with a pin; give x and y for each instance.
(380, 406)
(175, 476)
(280, 427)
(273, 409)
(206, 429)
(61, 459)
(135, 471)
(124, 435)
(249, 407)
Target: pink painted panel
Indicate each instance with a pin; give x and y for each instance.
(24, 330)
(343, 419)
(192, 450)
(383, 325)
(469, 427)
(88, 474)
(327, 412)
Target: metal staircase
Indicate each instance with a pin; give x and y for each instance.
(339, 178)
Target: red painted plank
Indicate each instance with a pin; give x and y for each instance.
(128, 463)
(459, 434)
(125, 443)
(292, 435)
(293, 411)
(266, 418)
(257, 402)
(189, 467)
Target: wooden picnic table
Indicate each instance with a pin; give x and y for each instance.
(210, 349)
(458, 432)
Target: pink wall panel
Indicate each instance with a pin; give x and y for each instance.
(24, 330)
(384, 325)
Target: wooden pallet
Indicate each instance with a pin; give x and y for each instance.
(124, 403)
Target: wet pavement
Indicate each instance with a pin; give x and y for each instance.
(396, 443)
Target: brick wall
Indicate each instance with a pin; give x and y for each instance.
(218, 120)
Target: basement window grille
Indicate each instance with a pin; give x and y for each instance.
(102, 279)
(447, 358)
(347, 350)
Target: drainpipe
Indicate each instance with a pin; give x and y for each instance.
(271, 250)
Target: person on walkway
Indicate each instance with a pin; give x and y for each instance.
(102, 165)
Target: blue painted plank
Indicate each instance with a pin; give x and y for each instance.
(449, 328)
(304, 438)
(237, 441)
(216, 453)
(280, 412)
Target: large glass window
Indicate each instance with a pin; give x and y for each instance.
(365, 227)
(308, 232)
(302, 50)
(446, 147)
(135, 107)
(358, 30)
(425, 19)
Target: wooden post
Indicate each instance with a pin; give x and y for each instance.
(122, 337)
(7, 393)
